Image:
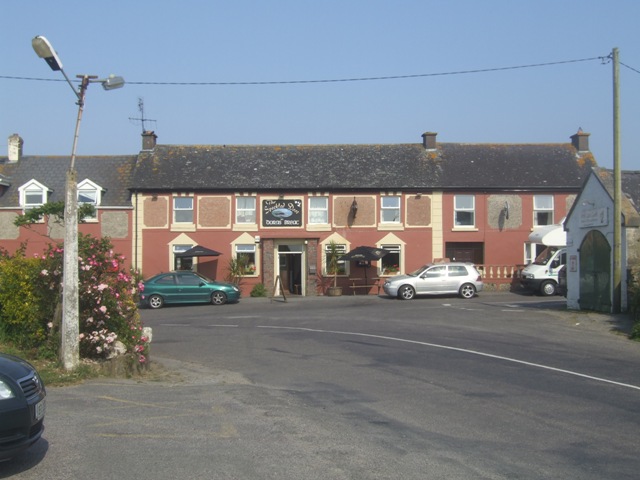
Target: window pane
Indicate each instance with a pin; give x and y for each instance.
(318, 202)
(543, 218)
(543, 202)
(316, 216)
(183, 202)
(166, 280)
(465, 219)
(390, 263)
(189, 280)
(390, 202)
(87, 196)
(33, 198)
(184, 216)
(439, 271)
(457, 271)
(464, 202)
(181, 248)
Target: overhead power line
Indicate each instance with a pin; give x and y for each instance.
(603, 59)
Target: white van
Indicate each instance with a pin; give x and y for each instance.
(541, 275)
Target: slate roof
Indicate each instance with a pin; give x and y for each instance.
(630, 180)
(361, 167)
(112, 173)
(628, 208)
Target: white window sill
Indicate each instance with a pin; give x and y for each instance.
(465, 229)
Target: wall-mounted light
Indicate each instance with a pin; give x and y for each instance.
(281, 196)
(354, 207)
(506, 210)
(418, 195)
(256, 239)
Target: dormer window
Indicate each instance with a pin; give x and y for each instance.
(89, 193)
(33, 194)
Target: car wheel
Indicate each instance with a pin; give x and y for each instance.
(548, 288)
(156, 301)
(467, 290)
(218, 298)
(406, 292)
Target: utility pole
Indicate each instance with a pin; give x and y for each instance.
(617, 189)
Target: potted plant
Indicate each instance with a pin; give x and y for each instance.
(333, 267)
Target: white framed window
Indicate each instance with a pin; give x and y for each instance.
(542, 210)
(390, 263)
(464, 211)
(343, 266)
(390, 209)
(33, 194)
(183, 209)
(91, 194)
(245, 209)
(246, 254)
(182, 263)
(319, 210)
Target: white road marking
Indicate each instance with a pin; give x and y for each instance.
(463, 350)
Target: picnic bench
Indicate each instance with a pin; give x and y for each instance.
(357, 283)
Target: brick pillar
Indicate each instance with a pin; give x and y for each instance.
(267, 265)
(312, 259)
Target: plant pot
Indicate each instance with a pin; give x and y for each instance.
(334, 291)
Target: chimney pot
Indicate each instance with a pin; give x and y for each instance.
(429, 141)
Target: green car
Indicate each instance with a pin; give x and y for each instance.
(186, 287)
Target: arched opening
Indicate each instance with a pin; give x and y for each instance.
(595, 273)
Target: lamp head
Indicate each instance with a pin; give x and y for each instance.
(43, 49)
(112, 82)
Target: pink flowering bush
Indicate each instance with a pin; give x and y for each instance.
(108, 298)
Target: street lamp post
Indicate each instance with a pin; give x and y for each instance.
(70, 350)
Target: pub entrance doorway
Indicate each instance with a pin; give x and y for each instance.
(290, 261)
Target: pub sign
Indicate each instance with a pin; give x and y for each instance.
(282, 213)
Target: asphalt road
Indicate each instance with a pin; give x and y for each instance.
(502, 386)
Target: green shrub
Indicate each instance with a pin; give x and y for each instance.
(26, 302)
(258, 290)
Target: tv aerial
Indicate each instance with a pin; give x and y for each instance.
(142, 119)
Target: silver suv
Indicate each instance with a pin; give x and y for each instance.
(436, 279)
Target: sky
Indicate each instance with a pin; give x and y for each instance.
(292, 72)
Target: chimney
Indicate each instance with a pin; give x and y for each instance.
(580, 141)
(148, 140)
(15, 148)
(429, 141)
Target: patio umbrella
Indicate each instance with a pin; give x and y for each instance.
(367, 254)
(198, 251)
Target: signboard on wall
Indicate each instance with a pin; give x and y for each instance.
(282, 213)
(594, 217)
